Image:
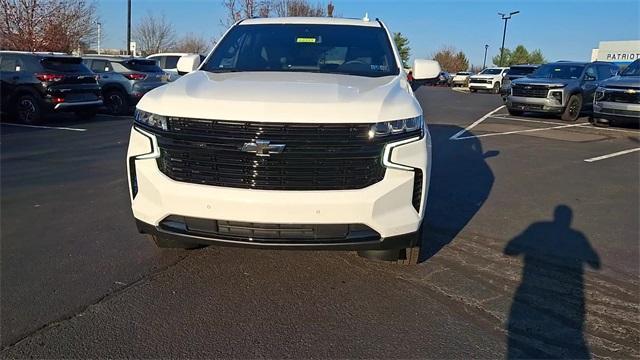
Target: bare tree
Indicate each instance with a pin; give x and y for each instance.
(299, 8)
(154, 34)
(192, 43)
(47, 25)
(247, 9)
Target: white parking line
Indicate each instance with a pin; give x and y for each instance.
(584, 124)
(517, 131)
(475, 123)
(45, 127)
(534, 121)
(624, 152)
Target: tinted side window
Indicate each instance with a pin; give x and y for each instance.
(590, 73)
(100, 66)
(64, 64)
(10, 63)
(171, 62)
(606, 71)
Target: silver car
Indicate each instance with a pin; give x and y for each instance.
(124, 80)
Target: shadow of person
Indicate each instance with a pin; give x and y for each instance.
(460, 183)
(548, 310)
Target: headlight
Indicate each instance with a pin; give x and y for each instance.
(398, 128)
(599, 95)
(557, 95)
(149, 119)
(559, 86)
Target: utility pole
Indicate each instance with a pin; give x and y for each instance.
(99, 35)
(128, 27)
(484, 63)
(506, 18)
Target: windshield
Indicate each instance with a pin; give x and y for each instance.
(490, 72)
(558, 71)
(336, 49)
(142, 65)
(632, 70)
(521, 70)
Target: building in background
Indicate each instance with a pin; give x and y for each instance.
(619, 52)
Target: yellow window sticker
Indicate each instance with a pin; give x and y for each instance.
(306, 40)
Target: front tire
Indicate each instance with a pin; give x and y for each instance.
(572, 111)
(28, 110)
(496, 88)
(473, 90)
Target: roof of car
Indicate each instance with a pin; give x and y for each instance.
(37, 53)
(311, 20)
(170, 54)
(525, 65)
(112, 57)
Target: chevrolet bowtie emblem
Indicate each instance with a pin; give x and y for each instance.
(263, 148)
(630, 91)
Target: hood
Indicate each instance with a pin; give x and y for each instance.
(284, 97)
(547, 82)
(622, 82)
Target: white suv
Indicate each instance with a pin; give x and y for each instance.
(488, 79)
(293, 133)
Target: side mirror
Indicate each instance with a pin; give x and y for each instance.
(188, 63)
(425, 69)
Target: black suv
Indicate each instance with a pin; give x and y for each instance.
(35, 84)
(124, 80)
(563, 87)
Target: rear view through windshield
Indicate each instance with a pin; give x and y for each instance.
(339, 49)
(64, 64)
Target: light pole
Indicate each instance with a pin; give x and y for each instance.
(129, 27)
(484, 63)
(506, 18)
(99, 34)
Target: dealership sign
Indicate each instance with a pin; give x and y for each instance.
(619, 51)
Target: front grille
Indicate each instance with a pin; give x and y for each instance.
(251, 232)
(315, 156)
(417, 189)
(621, 97)
(535, 91)
(480, 81)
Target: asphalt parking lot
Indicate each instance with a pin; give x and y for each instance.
(530, 249)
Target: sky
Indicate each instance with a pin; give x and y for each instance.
(562, 29)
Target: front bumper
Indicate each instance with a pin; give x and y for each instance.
(546, 105)
(78, 105)
(616, 111)
(386, 206)
(481, 86)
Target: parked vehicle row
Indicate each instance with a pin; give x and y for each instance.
(564, 88)
(35, 84)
